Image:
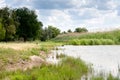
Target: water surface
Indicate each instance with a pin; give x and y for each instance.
(104, 58)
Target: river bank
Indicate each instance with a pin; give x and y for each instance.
(16, 60)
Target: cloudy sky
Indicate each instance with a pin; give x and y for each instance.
(69, 14)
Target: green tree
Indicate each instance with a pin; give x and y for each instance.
(45, 35)
(29, 27)
(8, 23)
(69, 31)
(64, 32)
(11, 30)
(49, 32)
(81, 30)
(2, 31)
(53, 31)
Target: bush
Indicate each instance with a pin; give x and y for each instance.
(111, 35)
(91, 42)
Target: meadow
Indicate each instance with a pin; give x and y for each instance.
(96, 38)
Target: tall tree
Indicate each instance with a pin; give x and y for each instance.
(29, 27)
(49, 32)
(8, 23)
(81, 30)
(53, 31)
(2, 31)
(69, 31)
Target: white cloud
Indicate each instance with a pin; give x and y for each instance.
(60, 19)
(2, 3)
(28, 0)
(72, 13)
(90, 12)
(112, 4)
(105, 21)
(78, 3)
(64, 20)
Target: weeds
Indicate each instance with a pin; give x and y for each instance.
(110, 35)
(68, 69)
(91, 42)
(109, 77)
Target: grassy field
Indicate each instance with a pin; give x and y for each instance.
(68, 69)
(13, 53)
(114, 36)
(91, 42)
(26, 61)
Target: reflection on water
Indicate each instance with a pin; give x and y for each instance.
(105, 59)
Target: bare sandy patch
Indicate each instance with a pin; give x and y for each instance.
(24, 65)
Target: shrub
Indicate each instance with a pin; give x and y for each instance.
(91, 42)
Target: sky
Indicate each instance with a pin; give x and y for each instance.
(95, 15)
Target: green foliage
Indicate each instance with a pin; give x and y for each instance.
(102, 77)
(50, 32)
(44, 49)
(60, 56)
(69, 31)
(111, 77)
(11, 30)
(68, 69)
(112, 35)
(91, 42)
(19, 23)
(9, 22)
(29, 27)
(2, 31)
(97, 78)
(80, 30)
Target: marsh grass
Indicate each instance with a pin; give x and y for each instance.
(60, 56)
(110, 35)
(91, 42)
(47, 46)
(109, 77)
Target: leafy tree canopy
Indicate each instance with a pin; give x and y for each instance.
(79, 29)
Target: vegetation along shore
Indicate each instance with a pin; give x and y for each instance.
(25, 45)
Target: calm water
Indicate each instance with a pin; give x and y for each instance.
(104, 59)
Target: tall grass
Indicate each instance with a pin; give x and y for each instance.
(91, 42)
(68, 69)
(109, 77)
(112, 35)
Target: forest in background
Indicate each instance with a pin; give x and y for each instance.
(22, 24)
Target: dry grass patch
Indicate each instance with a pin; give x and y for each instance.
(14, 55)
(19, 46)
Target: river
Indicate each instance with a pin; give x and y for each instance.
(103, 58)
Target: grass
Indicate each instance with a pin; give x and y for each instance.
(47, 46)
(14, 52)
(111, 35)
(68, 69)
(18, 45)
(91, 42)
(60, 56)
(13, 56)
(100, 77)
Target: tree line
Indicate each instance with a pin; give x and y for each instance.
(22, 24)
(77, 30)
